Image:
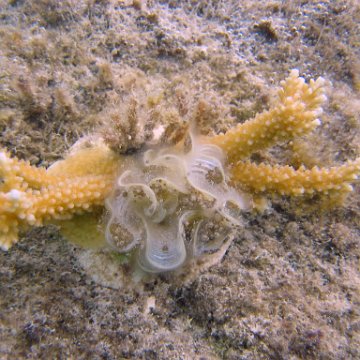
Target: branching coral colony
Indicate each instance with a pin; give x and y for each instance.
(168, 204)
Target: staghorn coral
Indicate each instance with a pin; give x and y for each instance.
(168, 204)
(285, 180)
(31, 196)
(295, 114)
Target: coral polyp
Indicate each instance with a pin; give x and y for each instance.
(166, 199)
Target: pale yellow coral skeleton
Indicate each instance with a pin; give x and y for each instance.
(295, 114)
(30, 196)
(89, 175)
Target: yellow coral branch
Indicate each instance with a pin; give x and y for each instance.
(9, 231)
(30, 195)
(286, 180)
(295, 114)
(86, 160)
(16, 173)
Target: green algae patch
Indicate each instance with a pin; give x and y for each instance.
(84, 230)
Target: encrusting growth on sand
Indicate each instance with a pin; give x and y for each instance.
(149, 187)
